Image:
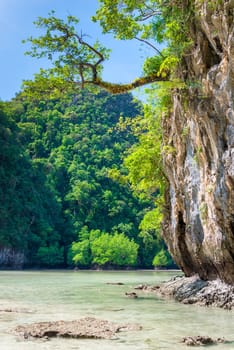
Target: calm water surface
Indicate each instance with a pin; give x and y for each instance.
(69, 295)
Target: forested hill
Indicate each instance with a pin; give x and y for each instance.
(56, 187)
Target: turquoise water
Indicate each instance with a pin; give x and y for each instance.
(68, 295)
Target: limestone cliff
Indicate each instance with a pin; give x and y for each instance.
(11, 258)
(199, 223)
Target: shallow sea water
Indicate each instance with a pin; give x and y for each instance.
(69, 295)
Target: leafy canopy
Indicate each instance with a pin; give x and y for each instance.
(57, 157)
(103, 249)
(77, 62)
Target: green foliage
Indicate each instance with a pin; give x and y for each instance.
(152, 64)
(161, 65)
(152, 20)
(144, 161)
(150, 228)
(72, 180)
(73, 60)
(29, 213)
(56, 160)
(116, 250)
(118, 17)
(76, 63)
(146, 175)
(104, 250)
(80, 253)
(162, 259)
(52, 256)
(62, 42)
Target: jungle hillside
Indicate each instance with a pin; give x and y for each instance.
(66, 199)
(176, 161)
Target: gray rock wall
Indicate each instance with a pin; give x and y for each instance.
(9, 258)
(199, 223)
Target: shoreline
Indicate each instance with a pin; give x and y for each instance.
(193, 290)
(88, 270)
(186, 290)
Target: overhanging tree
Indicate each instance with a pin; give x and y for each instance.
(199, 37)
(76, 62)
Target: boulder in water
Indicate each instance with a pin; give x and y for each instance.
(87, 327)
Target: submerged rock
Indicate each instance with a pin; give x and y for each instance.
(201, 340)
(15, 310)
(131, 295)
(141, 287)
(87, 327)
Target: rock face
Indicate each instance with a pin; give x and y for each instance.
(193, 290)
(199, 222)
(10, 258)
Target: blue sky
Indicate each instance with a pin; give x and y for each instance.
(16, 24)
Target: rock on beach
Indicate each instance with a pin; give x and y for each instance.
(87, 327)
(193, 290)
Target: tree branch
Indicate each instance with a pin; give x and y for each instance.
(111, 87)
(80, 63)
(145, 15)
(149, 44)
(123, 88)
(99, 54)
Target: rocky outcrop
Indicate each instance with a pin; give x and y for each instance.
(87, 327)
(193, 290)
(11, 258)
(199, 162)
(201, 340)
